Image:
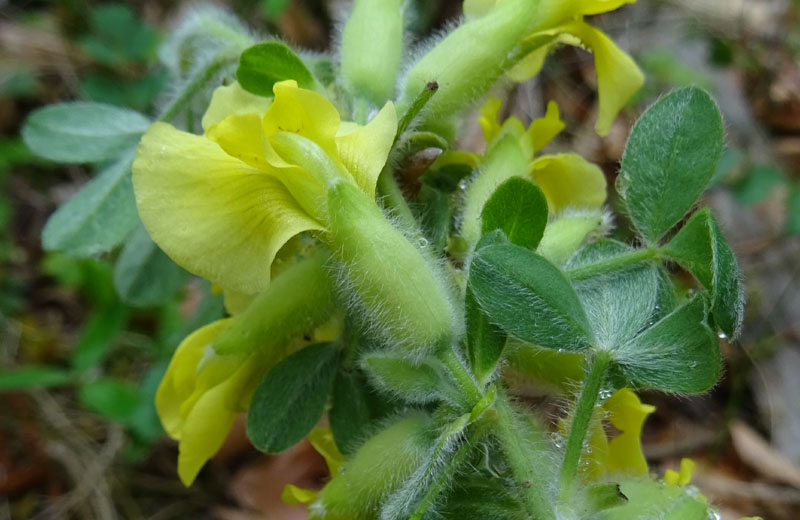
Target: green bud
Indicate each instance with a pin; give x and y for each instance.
(470, 59)
(390, 275)
(564, 236)
(380, 467)
(297, 300)
(372, 48)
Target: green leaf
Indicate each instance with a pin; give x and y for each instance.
(83, 131)
(113, 398)
(519, 208)
(144, 275)
(618, 304)
(350, 414)
(670, 157)
(485, 340)
(34, 376)
(98, 217)
(700, 248)
(646, 496)
(264, 64)
(97, 336)
(793, 212)
(680, 353)
(757, 184)
(604, 496)
(273, 8)
(529, 297)
(418, 381)
(290, 399)
(481, 496)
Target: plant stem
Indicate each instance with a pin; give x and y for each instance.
(612, 264)
(527, 470)
(194, 86)
(580, 421)
(459, 372)
(448, 471)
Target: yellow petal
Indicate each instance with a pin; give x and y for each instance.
(240, 135)
(178, 383)
(365, 150)
(322, 441)
(211, 213)
(569, 180)
(233, 99)
(589, 7)
(294, 495)
(208, 424)
(488, 118)
(627, 414)
(618, 77)
(545, 129)
(682, 477)
(303, 112)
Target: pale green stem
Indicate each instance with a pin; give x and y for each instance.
(448, 471)
(196, 85)
(531, 484)
(613, 264)
(461, 375)
(581, 420)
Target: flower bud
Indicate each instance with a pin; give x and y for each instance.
(372, 48)
(470, 59)
(378, 468)
(390, 276)
(563, 236)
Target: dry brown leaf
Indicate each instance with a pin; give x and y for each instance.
(756, 452)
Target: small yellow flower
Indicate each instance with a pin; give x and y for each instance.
(566, 179)
(621, 454)
(222, 204)
(683, 476)
(561, 22)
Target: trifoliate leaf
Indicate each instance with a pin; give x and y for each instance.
(670, 157)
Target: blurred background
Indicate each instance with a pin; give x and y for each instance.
(79, 365)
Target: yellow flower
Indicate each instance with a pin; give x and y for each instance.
(566, 179)
(561, 22)
(622, 453)
(215, 371)
(222, 204)
(202, 392)
(683, 476)
(322, 441)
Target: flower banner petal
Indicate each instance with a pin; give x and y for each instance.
(233, 99)
(211, 213)
(545, 129)
(303, 112)
(365, 150)
(569, 180)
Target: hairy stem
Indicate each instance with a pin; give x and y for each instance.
(461, 375)
(448, 471)
(581, 420)
(416, 107)
(613, 264)
(195, 85)
(528, 468)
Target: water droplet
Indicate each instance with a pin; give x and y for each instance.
(713, 514)
(423, 242)
(462, 184)
(558, 439)
(693, 364)
(605, 394)
(722, 335)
